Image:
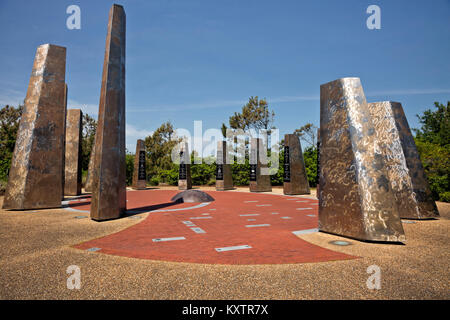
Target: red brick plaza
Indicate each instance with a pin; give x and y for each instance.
(236, 228)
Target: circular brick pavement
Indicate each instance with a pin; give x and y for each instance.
(236, 228)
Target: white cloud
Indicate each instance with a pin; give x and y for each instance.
(133, 134)
(89, 108)
(217, 104)
(11, 97)
(177, 107)
(407, 92)
(293, 99)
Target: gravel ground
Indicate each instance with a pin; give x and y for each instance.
(35, 254)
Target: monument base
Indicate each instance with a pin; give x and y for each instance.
(140, 185)
(222, 186)
(292, 189)
(184, 185)
(260, 186)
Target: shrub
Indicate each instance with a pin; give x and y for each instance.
(154, 181)
(169, 176)
(310, 158)
(3, 187)
(241, 173)
(445, 196)
(433, 144)
(436, 163)
(202, 173)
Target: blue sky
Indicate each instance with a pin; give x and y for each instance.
(201, 60)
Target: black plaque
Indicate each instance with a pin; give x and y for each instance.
(253, 172)
(219, 172)
(287, 165)
(182, 171)
(142, 175)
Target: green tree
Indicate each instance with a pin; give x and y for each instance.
(88, 137)
(277, 179)
(202, 173)
(9, 125)
(433, 144)
(129, 167)
(308, 134)
(159, 147)
(435, 125)
(224, 130)
(310, 158)
(241, 173)
(254, 115)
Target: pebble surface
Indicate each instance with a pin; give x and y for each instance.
(36, 251)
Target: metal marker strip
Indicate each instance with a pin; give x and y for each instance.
(72, 198)
(168, 239)
(65, 204)
(257, 225)
(198, 230)
(203, 204)
(306, 231)
(303, 208)
(233, 248)
(72, 209)
(249, 215)
(196, 218)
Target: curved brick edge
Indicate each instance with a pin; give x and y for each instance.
(222, 224)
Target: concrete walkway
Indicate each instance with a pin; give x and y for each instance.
(37, 247)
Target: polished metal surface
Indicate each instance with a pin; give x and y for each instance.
(36, 175)
(355, 198)
(109, 169)
(405, 171)
(295, 177)
(259, 171)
